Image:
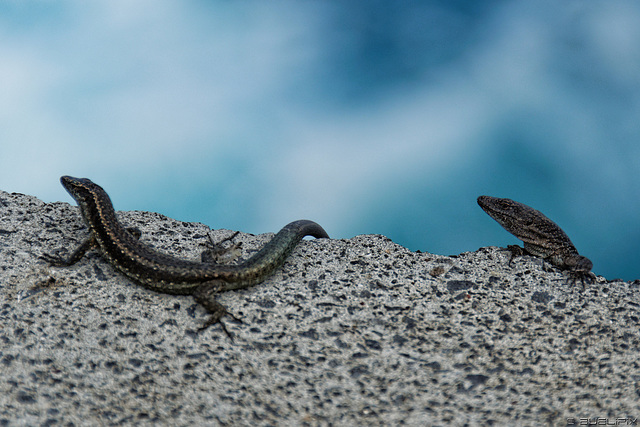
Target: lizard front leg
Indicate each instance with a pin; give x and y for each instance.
(86, 246)
(59, 261)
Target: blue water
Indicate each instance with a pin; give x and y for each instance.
(366, 116)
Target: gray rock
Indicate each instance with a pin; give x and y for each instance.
(348, 332)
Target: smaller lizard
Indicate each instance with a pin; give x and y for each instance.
(541, 236)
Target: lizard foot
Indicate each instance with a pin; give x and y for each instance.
(217, 250)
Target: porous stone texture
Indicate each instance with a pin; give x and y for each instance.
(359, 331)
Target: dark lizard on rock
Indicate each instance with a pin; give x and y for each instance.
(164, 273)
(541, 236)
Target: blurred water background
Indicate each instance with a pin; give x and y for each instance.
(366, 116)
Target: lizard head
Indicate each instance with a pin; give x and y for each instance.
(505, 211)
(80, 188)
(89, 196)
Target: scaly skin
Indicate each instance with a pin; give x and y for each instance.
(164, 273)
(541, 236)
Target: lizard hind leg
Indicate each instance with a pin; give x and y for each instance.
(579, 269)
(588, 277)
(205, 295)
(217, 251)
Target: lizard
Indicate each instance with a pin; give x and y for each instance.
(164, 273)
(541, 236)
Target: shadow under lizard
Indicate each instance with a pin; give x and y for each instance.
(167, 274)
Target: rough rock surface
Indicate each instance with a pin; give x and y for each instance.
(349, 332)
